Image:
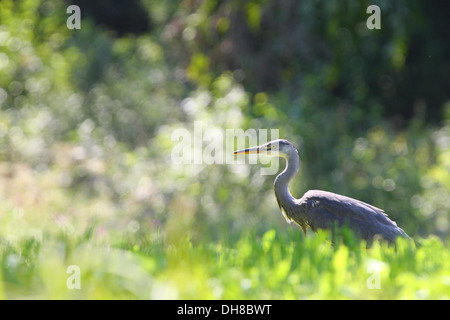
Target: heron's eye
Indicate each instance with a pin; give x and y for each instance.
(274, 147)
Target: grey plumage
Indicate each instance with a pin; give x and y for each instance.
(321, 209)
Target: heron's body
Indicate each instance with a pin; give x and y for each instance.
(319, 209)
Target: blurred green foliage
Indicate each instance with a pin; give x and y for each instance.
(271, 266)
(86, 119)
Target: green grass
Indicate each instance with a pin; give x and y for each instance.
(276, 265)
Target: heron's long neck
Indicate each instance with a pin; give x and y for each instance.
(281, 184)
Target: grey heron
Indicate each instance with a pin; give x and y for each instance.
(319, 209)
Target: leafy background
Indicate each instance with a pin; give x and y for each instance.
(87, 116)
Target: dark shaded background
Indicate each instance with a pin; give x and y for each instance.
(404, 67)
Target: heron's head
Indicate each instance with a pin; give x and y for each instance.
(276, 148)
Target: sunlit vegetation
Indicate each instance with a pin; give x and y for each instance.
(86, 176)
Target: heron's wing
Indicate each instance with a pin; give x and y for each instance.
(325, 207)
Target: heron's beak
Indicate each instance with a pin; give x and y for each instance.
(253, 150)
